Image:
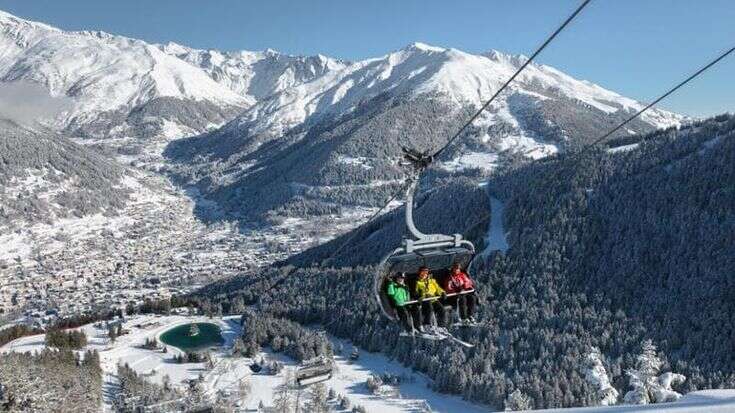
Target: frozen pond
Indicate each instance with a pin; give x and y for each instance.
(193, 336)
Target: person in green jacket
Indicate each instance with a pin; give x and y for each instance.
(398, 292)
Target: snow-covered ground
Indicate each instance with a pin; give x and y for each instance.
(495, 239)
(349, 377)
(623, 148)
(153, 364)
(348, 380)
(484, 161)
(703, 401)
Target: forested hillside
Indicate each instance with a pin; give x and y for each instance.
(44, 177)
(619, 247)
(58, 381)
(335, 141)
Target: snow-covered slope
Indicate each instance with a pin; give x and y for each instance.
(420, 69)
(349, 378)
(256, 75)
(710, 401)
(108, 76)
(320, 139)
(44, 178)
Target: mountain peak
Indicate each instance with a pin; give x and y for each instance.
(424, 47)
(7, 19)
(498, 56)
(271, 52)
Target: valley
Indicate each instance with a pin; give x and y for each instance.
(148, 186)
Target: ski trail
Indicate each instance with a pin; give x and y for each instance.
(110, 389)
(495, 239)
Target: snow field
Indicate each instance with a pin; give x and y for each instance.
(348, 380)
(703, 401)
(495, 239)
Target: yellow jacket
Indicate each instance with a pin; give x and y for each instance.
(428, 287)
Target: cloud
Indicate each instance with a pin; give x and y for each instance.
(29, 103)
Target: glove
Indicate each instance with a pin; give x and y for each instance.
(443, 296)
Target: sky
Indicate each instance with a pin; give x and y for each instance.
(638, 48)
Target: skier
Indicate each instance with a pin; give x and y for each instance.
(398, 292)
(457, 282)
(427, 289)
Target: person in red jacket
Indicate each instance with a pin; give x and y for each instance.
(458, 281)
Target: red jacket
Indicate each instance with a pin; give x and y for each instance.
(458, 282)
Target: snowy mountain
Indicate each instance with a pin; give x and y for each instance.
(120, 86)
(419, 69)
(335, 139)
(256, 75)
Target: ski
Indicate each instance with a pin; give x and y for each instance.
(437, 335)
(425, 336)
(429, 336)
(465, 325)
(460, 342)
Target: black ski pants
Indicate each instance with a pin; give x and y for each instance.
(466, 304)
(408, 316)
(427, 307)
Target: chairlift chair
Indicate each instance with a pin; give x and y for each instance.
(436, 251)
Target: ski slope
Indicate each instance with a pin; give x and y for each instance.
(495, 239)
(414, 394)
(709, 401)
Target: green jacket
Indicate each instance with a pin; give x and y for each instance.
(398, 293)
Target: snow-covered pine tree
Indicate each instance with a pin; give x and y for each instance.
(243, 387)
(317, 402)
(642, 377)
(283, 400)
(647, 385)
(517, 401)
(596, 375)
(345, 403)
(373, 383)
(663, 392)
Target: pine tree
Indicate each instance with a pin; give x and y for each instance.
(648, 386)
(317, 402)
(518, 401)
(283, 400)
(112, 333)
(596, 375)
(345, 403)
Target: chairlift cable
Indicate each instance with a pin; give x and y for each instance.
(587, 147)
(373, 216)
(520, 69)
(582, 151)
(660, 98)
(472, 119)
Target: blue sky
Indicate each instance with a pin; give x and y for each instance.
(638, 48)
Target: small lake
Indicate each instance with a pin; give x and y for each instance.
(209, 335)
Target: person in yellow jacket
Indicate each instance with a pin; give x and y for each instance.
(430, 296)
